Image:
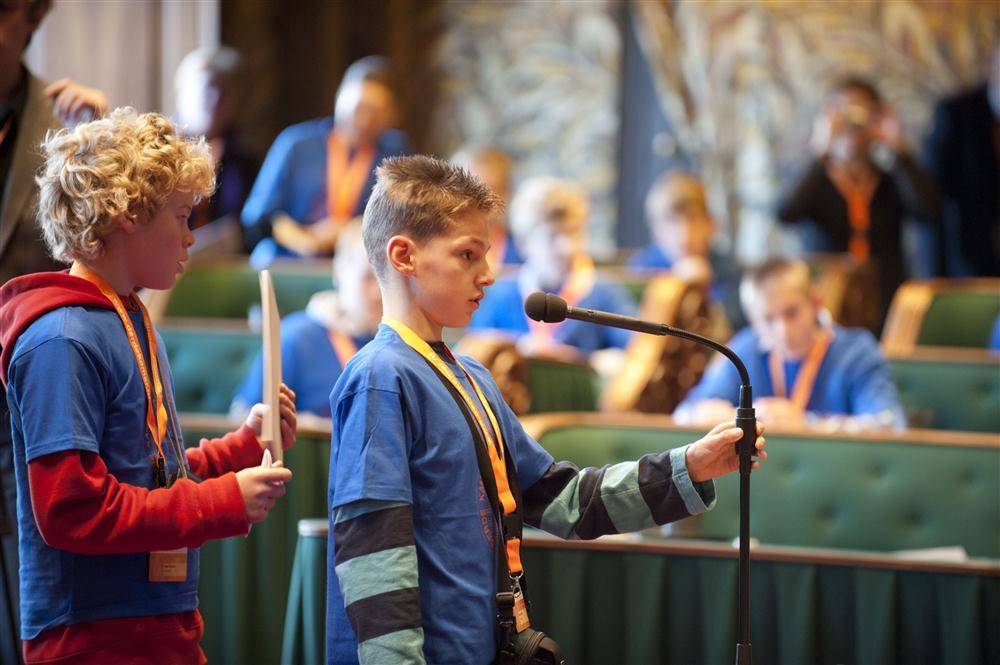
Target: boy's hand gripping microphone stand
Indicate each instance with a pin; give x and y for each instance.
(549, 308)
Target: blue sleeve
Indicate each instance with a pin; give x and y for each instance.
(58, 390)
(995, 336)
(871, 389)
(371, 448)
(268, 193)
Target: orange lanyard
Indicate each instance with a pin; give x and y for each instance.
(156, 419)
(343, 346)
(492, 434)
(806, 378)
(345, 177)
(577, 286)
(858, 195)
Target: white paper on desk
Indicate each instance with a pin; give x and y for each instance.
(955, 553)
(270, 435)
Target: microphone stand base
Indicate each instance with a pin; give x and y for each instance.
(743, 654)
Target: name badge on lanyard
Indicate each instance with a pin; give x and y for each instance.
(166, 566)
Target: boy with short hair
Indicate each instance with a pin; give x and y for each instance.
(805, 369)
(548, 219)
(416, 538)
(111, 510)
(317, 342)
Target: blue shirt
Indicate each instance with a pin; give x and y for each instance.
(650, 257)
(293, 180)
(309, 365)
(503, 309)
(74, 385)
(853, 379)
(398, 435)
(995, 336)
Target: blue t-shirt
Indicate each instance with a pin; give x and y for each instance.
(398, 435)
(293, 180)
(503, 309)
(853, 379)
(74, 385)
(309, 365)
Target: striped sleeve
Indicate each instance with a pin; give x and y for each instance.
(582, 504)
(375, 561)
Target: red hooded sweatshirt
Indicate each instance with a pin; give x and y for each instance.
(80, 507)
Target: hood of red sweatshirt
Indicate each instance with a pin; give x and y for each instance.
(24, 299)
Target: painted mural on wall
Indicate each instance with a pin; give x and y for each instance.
(540, 80)
(740, 82)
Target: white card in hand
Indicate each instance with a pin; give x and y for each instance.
(266, 460)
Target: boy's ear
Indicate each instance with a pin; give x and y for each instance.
(126, 223)
(401, 252)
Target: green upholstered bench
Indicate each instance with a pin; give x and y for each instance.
(208, 363)
(227, 289)
(918, 489)
(244, 582)
(956, 389)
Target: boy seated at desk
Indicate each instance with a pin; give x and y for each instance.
(317, 342)
(548, 219)
(806, 371)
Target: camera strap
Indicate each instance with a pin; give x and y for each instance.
(499, 478)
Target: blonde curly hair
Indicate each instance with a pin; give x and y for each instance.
(125, 164)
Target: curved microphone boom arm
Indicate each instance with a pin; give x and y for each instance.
(548, 308)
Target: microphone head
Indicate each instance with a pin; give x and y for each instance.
(545, 307)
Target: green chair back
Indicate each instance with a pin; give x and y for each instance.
(949, 395)
(977, 312)
(561, 386)
(229, 290)
(208, 365)
(882, 495)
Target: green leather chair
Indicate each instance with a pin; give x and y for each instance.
(976, 310)
(208, 364)
(951, 391)
(919, 489)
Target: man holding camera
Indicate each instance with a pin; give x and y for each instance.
(861, 185)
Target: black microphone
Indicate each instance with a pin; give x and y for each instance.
(549, 308)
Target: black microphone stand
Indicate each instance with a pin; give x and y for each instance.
(746, 419)
(549, 308)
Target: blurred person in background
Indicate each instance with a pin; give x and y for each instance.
(28, 110)
(805, 370)
(207, 98)
(318, 174)
(493, 166)
(316, 343)
(548, 219)
(862, 184)
(681, 229)
(963, 153)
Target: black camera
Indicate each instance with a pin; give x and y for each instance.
(530, 647)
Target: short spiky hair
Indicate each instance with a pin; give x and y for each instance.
(419, 197)
(125, 164)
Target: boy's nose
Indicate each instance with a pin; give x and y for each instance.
(488, 278)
